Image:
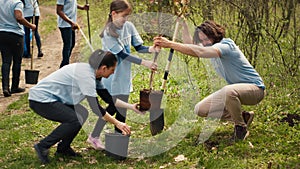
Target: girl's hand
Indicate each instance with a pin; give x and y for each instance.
(153, 49)
(151, 65)
(124, 128)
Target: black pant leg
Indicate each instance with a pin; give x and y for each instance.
(71, 119)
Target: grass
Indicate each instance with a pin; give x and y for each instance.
(272, 143)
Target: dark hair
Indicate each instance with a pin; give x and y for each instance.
(117, 6)
(212, 30)
(100, 57)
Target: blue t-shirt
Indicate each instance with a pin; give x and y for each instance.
(31, 7)
(69, 85)
(28, 8)
(233, 65)
(8, 22)
(120, 83)
(70, 9)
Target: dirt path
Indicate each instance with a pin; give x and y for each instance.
(51, 46)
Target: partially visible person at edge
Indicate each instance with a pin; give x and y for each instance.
(12, 43)
(67, 15)
(245, 86)
(31, 9)
(57, 98)
(117, 37)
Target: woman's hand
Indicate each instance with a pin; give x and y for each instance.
(162, 42)
(124, 128)
(135, 108)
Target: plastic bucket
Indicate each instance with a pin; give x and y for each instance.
(116, 145)
(31, 76)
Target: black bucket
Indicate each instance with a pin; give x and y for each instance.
(31, 76)
(157, 121)
(116, 145)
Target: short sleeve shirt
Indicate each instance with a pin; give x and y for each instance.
(233, 65)
(120, 83)
(69, 85)
(28, 8)
(70, 9)
(8, 22)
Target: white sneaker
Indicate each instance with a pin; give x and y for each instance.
(95, 142)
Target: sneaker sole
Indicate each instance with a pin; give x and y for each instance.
(96, 148)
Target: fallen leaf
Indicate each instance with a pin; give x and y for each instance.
(251, 145)
(179, 158)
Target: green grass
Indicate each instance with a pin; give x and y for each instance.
(275, 143)
(271, 144)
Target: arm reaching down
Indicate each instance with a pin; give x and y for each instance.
(97, 109)
(111, 109)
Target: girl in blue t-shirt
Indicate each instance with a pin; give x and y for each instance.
(117, 37)
(245, 86)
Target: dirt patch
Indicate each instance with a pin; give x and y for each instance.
(291, 119)
(52, 49)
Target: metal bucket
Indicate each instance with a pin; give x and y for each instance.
(116, 145)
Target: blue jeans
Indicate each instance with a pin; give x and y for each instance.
(36, 35)
(11, 46)
(68, 37)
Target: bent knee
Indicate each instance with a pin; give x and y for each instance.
(200, 111)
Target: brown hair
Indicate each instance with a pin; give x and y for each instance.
(212, 30)
(117, 6)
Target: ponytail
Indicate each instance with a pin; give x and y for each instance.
(117, 6)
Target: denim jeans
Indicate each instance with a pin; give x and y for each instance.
(227, 102)
(11, 46)
(71, 118)
(68, 37)
(36, 35)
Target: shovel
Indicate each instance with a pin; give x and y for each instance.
(31, 76)
(150, 100)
